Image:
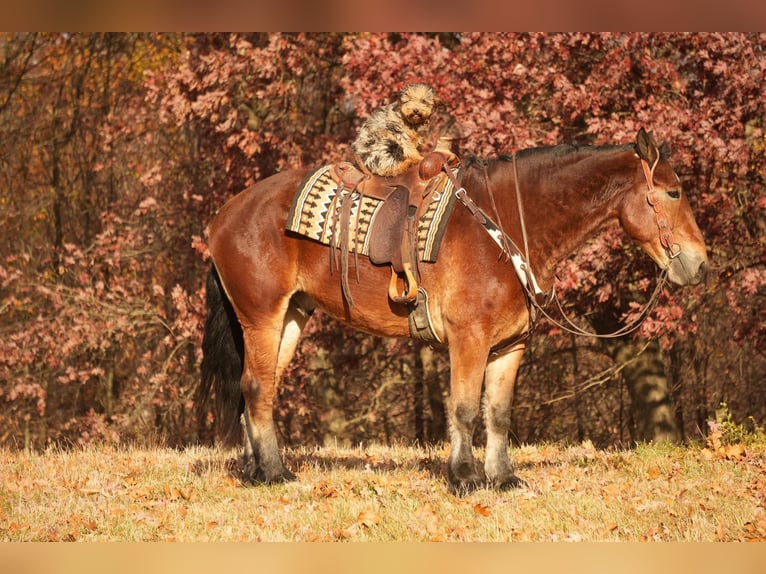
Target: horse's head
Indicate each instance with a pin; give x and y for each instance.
(656, 214)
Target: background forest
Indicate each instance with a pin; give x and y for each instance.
(117, 149)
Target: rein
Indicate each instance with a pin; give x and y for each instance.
(538, 299)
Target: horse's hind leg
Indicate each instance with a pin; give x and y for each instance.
(269, 346)
(262, 462)
(298, 314)
(499, 386)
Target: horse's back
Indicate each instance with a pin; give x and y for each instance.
(260, 209)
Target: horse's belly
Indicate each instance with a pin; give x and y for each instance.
(371, 309)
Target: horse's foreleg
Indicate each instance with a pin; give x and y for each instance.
(499, 386)
(467, 364)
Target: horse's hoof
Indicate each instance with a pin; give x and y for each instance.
(466, 487)
(284, 476)
(508, 482)
(261, 478)
(463, 479)
(254, 471)
(250, 471)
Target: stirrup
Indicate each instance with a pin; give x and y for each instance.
(411, 286)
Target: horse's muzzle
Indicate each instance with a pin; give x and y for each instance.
(688, 268)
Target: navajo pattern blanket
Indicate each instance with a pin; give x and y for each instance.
(315, 209)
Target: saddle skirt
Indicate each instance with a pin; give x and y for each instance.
(315, 210)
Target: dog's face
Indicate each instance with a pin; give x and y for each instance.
(416, 103)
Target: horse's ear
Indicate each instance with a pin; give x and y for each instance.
(646, 148)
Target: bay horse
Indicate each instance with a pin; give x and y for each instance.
(272, 280)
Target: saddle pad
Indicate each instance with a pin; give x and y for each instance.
(315, 209)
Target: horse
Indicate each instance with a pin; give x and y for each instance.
(265, 282)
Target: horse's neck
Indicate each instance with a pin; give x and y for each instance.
(566, 205)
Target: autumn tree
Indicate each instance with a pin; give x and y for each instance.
(119, 148)
(96, 332)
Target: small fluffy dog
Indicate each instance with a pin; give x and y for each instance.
(389, 139)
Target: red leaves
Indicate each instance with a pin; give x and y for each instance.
(368, 519)
(106, 330)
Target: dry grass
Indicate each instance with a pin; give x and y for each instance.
(383, 494)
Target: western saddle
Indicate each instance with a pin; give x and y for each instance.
(392, 235)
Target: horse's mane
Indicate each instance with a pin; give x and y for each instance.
(542, 152)
(552, 157)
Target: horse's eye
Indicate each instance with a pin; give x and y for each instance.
(674, 193)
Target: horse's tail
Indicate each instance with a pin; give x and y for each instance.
(223, 354)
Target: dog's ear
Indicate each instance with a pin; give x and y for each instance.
(400, 92)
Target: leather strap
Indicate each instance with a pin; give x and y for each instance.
(506, 244)
(419, 319)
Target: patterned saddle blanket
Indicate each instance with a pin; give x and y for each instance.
(315, 212)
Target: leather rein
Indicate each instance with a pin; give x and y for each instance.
(537, 299)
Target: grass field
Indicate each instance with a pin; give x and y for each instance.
(376, 493)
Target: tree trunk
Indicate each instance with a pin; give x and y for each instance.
(651, 396)
(436, 425)
(329, 400)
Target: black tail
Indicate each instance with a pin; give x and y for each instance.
(223, 352)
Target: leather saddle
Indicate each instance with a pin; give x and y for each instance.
(392, 235)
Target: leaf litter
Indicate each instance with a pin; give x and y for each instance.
(575, 493)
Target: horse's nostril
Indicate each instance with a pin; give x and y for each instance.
(701, 272)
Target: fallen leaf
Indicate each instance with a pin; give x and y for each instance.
(428, 519)
(347, 533)
(368, 519)
(734, 451)
(481, 509)
(325, 490)
(720, 532)
(521, 535)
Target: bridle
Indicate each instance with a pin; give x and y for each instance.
(537, 299)
(666, 232)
